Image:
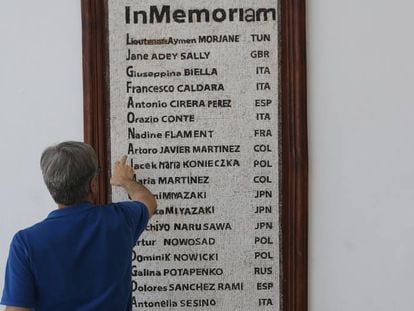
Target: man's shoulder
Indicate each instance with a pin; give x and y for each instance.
(128, 204)
(31, 229)
(110, 210)
(134, 209)
(122, 210)
(25, 235)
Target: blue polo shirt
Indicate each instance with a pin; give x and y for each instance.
(77, 259)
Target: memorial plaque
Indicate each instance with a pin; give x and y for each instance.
(202, 98)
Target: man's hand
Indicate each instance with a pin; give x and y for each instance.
(122, 173)
(123, 176)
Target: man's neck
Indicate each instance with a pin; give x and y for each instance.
(88, 200)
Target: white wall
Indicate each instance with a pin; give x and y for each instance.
(41, 103)
(361, 123)
(361, 111)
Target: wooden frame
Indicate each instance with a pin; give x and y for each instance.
(294, 210)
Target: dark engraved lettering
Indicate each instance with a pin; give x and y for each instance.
(260, 54)
(262, 179)
(218, 38)
(139, 89)
(164, 56)
(263, 209)
(265, 302)
(219, 103)
(211, 163)
(134, 134)
(184, 195)
(184, 257)
(168, 303)
(262, 148)
(197, 302)
(141, 150)
(238, 286)
(263, 133)
(164, 14)
(184, 88)
(152, 288)
(189, 134)
(136, 56)
(262, 70)
(130, 40)
(263, 194)
(193, 272)
(202, 287)
(155, 257)
(176, 41)
(264, 285)
(141, 166)
(146, 181)
(183, 180)
(216, 149)
(189, 241)
(263, 270)
(145, 242)
(263, 86)
(194, 55)
(175, 149)
(264, 225)
(169, 165)
(262, 163)
(262, 102)
(132, 73)
(155, 226)
(190, 103)
(201, 226)
(199, 114)
(194, 210)
(200, 72)
(260, 37)
(134, 118)
(181, 118)
(145, 272)
(263, 240)
(156, 104)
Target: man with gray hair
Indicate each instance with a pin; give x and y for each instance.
(79, 257)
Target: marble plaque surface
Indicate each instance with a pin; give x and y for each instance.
(194, 103)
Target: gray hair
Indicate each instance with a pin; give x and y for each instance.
(67, 169)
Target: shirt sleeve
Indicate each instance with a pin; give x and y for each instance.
(137, 214)
(19, 286)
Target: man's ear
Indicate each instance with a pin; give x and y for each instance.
(93, 185)
(93, 189)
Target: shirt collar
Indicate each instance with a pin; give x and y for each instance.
(71, 209)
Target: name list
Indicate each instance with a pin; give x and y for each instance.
(194, 104)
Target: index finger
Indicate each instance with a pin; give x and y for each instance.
(123, 159)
